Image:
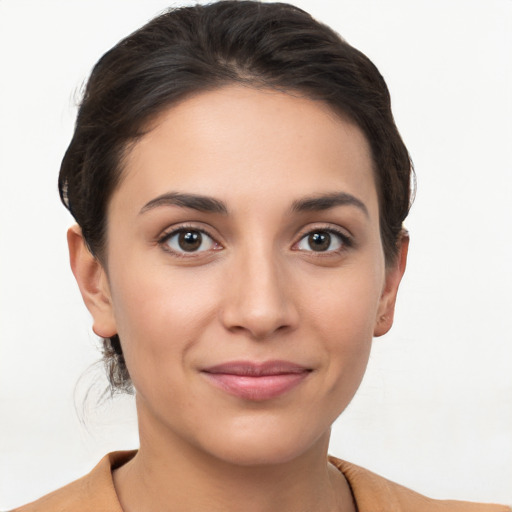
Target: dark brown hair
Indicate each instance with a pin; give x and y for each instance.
(193, 49)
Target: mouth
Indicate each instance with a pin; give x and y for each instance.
(256, 381)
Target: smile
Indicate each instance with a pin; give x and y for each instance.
(256, 381)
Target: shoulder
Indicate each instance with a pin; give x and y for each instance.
(373, 493)
(94, 491)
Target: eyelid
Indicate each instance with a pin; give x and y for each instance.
(347, 240)
(172, 231)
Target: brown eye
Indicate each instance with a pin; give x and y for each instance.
(189, 241)
(319, 241)
(323, 241)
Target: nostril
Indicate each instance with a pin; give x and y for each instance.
(258, 326)
(257, 298)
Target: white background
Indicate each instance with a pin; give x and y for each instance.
(435, 409)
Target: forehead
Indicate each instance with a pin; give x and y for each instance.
(238, 142)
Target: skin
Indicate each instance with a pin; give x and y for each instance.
(255, 291)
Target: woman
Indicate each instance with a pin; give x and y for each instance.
(239, 187)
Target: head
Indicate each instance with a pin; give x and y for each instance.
(186, 61)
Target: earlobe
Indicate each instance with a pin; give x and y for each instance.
(394, 275)
(93, 283)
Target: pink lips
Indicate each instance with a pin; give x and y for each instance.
(256, 381)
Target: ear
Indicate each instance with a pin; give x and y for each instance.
(394, 274)
(93, 283)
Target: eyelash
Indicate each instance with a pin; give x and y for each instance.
(162, 241)
(346, 241)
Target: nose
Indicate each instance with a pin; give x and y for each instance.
(259, 299)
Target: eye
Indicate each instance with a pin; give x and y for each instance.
(323, 240)
(188, 240)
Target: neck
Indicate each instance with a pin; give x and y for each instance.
(169, 474)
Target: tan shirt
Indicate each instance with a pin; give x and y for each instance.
(95, 492)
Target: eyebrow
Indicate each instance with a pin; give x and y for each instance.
(192, 201)
(327, 201)
(211, 205)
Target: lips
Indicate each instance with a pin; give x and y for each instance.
(256, 381)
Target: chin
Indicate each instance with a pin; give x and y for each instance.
(255, 455)
(266, 446)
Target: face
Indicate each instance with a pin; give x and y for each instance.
(245, 273)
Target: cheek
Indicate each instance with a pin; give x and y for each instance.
(159, 315)
(343, 314)
(345, 303)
